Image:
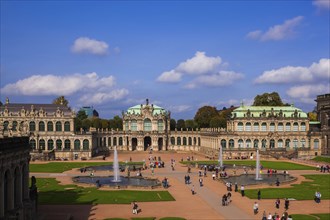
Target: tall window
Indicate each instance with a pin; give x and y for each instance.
(280, 126)
(248, 126)
(256, 143)
(66, 126)
(77, 144)
(240, 143)
(316, 144)
(133, 125)
(126, 126)
(178, 141)
(58, 144)
(5, 125)
(303, 142)
(67, 144)
(303, 126)
(223, 143)
(86, 144)
(287, 126)
(184, 141)
(248, 143)
(173, 140)
(109, 141)
(147, 124)
(295, 126)
(255, 126)
(263, 143)
(14, 125)
(231, 143)
(295, 143)
(160, 125)
(120, 140)
(50, 144)
(264, 126)
(32, 126)
(41, 126)
(240, 126)
(42, 144)
(272, 126)
(50, 126)
(33, 144)
(287, 143)
(280, 143)
(189, 141)
(58, 126)
(272, 143)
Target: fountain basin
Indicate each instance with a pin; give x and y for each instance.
(250, 179)
(124, 181)
(110, 167)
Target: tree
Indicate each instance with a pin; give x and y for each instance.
(86, 124)
(104, 123)
(204, 116)
(268, 99)
(172, 124)
(218, 122)
(312, 116)
(180, 124)
(116, 122)
(81, 115)
(190, 124)
(77, 124)
(96, 122)
(61, 100)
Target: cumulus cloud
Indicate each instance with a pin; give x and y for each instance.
(322, 4)
(222, 78)
(102, 88)
(87, 45)
(170, 77)
(307, 93)
(290, 74)
(277, 32)
(179, 108)
(199, 64)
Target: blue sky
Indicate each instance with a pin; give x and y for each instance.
(180, 55)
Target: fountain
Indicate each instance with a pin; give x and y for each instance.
(258, 176)
(116, 176)
(220, 157)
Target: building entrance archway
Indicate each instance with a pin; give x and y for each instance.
(147, 143)
(134, 143)
(160, 143)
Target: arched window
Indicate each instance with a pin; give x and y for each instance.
(295, 126)
(33, 144)
(272, 143)
(256, 143)
(248, 126)
(231, 143)
(240, 143)
(86, 144)
(263, 143)
(109, 141)
(67, 126)
(280, 143)
(199, 141)
(190, 141)
(5, 125)
(114, 141)
(303, 142)
(50, 126)
(50, 144)
(58, 126)
(41, 126)
(272, 126)
(147, 124)
(126, 126)
(303, 126)
(133, 125)
(77, 144)
(287, 143)
(42, 144)
(173, 140)
(120, 141)
(223, 143)
(58, 144)
(240, 126)
(295, 143)
(67, 144)
(264, 126)
(248, 143)
(255, 126)
(288, 126)
(178, 141)
(14, 125)
(195, 141)
(316, 144)
(184, 141)
(280, 126)
(32, 126)
(160, 125)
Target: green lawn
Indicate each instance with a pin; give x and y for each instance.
(147, 218)
(322, 159)
(303, 217)
(278, 165)
(303, 191)
(51, 193)
(59, 167)
(322, 216)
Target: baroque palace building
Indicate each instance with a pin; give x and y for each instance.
(282, 130)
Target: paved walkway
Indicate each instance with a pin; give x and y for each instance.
(205, 204)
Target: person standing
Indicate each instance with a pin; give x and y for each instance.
(236, 187)
(255, 208)
(286, 204)
(259, 194)
(200, 182)
(242, 191)
(277, 203)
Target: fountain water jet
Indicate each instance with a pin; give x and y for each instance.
(258, 176)
(116, 176)
(220, 157)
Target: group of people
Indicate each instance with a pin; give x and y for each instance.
(276, 216)
(226, 199)
(323, 168)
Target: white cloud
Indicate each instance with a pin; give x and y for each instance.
(222, 78)
(199, 64)
(277, 32)
(101, 97)
(307, 93)
(180, 108)
(322, 4)
(290, 74)
(170, 77)
(87, 45)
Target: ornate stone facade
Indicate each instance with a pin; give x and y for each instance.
(323, 115)
(17, 201)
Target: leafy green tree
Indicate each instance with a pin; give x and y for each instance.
(312, 116)
(81, 115)
(180, 124)
(172, 124)
(77, 124)
(218, 122)
(86, 124)
(96, 122)
(116, 122)
(204, 116)
(190, 124)
(268, 99)
(61, 100)
(104, 123)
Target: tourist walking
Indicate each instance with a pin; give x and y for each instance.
(193, 190)
(236, 187)
(255, 208)
(277, 203)
(200, 182)
(264, 215)
(286, 204)
(259, 194)
(242, 190)
(135, 208)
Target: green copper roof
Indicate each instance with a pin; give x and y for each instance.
(258, 111)
(137, 109)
